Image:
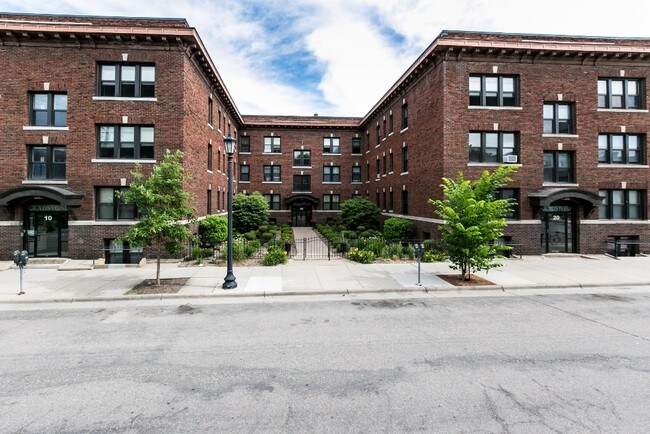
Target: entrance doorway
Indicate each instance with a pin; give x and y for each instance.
(301, 215)
(46, 233)
(558, 231)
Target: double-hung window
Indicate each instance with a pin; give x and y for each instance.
(125, 141)
(46, 162)
(356, 145)
(493, 147)
(273, 200)
(272, 145)
(405, 159)
(244, 173)
(621, 205)
(331, 201)
(558, 167)
(109, 206)
(617, 93)
(127, 81)
(302, 183)
(559, 118)
(48, 109)
(301, 158)
(331, 173)
(331, 145)
(512, 195)
(272, 173)
(620, 149)
(493, 91)
(244, 144)
(356, 173)
(405, 116)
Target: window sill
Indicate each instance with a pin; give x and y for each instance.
(330, 153)
(331, 182)
(357, 182)
(560, 184)
(621, 110)
(377, 145)
(271, 153)
(390, 134)
(44, 128)
(210, 126)
(489, 107)
(390, 173)
(301, 167)
(244, 182)
(404, 173)
(45, 182)
(244, 153)
(271, 182)
(122, 161)
(573, 136)
(403, 130)
(123, 98)
(623, 166)
(301, 192)
(478, 164)
(210, 171)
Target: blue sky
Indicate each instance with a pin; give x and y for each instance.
(338, 57)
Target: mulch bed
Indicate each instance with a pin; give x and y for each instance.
(456, 280)
(167, 286)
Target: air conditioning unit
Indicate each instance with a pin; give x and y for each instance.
(510, 159)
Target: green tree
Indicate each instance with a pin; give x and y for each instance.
(359, 212)
(474, 219)
(213, 230)
(164, 208)
(397, 229)
(249, 212)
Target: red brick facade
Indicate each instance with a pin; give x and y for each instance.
(41, 55)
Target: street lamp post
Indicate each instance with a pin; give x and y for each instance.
(230, 144)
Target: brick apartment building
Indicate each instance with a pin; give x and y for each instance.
(86, 98)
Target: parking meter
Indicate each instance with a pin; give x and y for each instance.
(418, 249)
(20, 258)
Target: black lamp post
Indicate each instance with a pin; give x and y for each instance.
(230, 144)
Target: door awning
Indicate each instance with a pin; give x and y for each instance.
(57, 194)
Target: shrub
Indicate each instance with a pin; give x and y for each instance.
(361, 256)
(266, 237)
(213, 230)
(275, 256)
(241, 249)
(200, 253)
(397, 229)
(249, 212)
(250, 235)
(359, 211)
(432, 256)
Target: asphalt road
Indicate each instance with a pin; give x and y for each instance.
(547, 363)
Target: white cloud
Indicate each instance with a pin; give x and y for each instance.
(359, 47)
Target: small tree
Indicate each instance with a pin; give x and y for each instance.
(474, 219)
(359, 212)
(213, 230)
(249, 212)
(162, 204)
(397, 229)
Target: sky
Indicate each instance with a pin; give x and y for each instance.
(339, 57)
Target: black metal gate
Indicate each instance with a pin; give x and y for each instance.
(313, 248)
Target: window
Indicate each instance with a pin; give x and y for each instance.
(356, 174)
(367, 172)
(356, 145)
(271, 144)
(493, 147)
(331, 145)
(208, 196)
(385, 129)
(245, 144)
(121, 252)
(244, 173)
(209, 157)
(558, 167)
(302, 183)
(620, 149)
(405, 159)
(332, 174)
(111, 207)
(378, 167)
(302, 158)
(390, 122)
(405, 202)
(210, 111)
(390, 200)
(127, 81)
(558, 118)
(48, 109)
(405, 116)
(492, 91)
(384, 163)
(377, 200)
(367, 141)
(390, 161)
(621, 205)
(46, 162)
(513, 195)
(619, 93)
(122, 141)
(272, 173)
(384, 204)
(219, 159)
(331, 201)
(378, 135)
(273, 200)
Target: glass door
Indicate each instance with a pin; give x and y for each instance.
(47, 234)
(558, 236)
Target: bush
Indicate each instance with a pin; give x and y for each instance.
(249, 212)
(357, 212)
(250, 235)
(241, 249)
(361, 256)
(398, 229)
(275, 256)
(213, 230)
(266, 237)
(432, 256)
(200, 253)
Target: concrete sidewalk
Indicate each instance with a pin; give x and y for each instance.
(338, 276)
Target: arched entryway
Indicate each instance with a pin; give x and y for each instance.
(560, 210)
(45, 214)
(301, 206)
